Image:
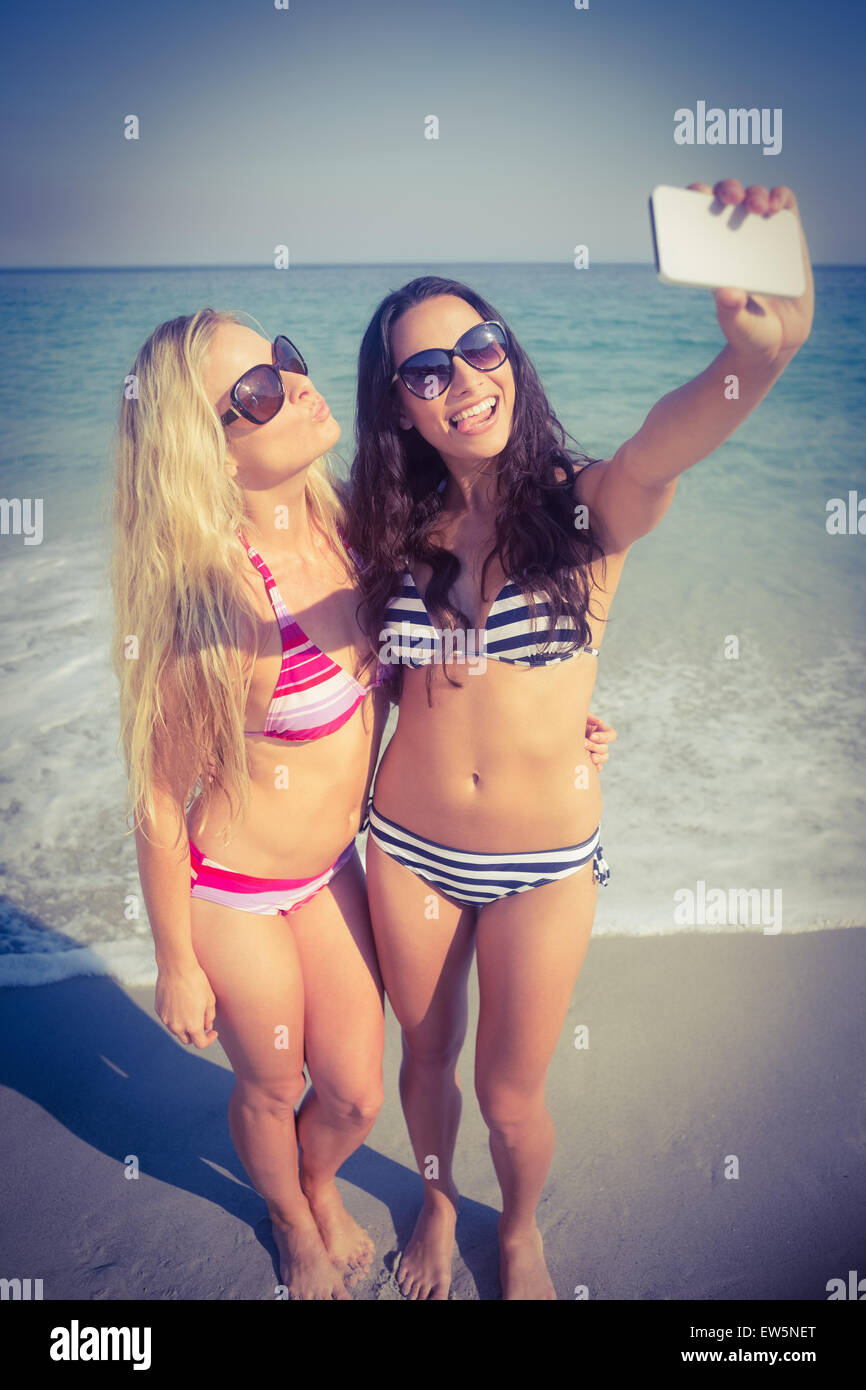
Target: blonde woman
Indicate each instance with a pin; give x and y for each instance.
(250, 742)
(250, 752)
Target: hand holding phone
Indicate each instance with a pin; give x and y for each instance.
(704, 242)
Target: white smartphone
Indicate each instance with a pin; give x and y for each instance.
(702, 242)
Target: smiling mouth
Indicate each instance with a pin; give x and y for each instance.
(465, 422)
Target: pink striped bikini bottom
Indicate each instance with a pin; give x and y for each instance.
(269, 896)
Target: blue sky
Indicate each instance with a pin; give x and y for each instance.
(306, 126)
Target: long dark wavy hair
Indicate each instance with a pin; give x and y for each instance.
(392, 504)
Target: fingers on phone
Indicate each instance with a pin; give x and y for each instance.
(756, 197)
(782, 197)
(729, 191)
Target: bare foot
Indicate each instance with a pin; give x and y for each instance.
(348, 1244)
(305, 1268)
(425, 1265)
(522, 1271)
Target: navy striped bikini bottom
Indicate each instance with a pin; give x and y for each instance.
(475, 878)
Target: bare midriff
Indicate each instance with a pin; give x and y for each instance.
(307, 798)
(305, 805)
(498, 764)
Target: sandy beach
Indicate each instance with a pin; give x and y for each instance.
(700, 1047)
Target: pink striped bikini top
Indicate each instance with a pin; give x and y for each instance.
(313, 695)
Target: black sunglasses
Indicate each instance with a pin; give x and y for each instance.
(259, 393)
(427, 374)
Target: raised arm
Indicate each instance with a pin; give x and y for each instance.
(629, 494)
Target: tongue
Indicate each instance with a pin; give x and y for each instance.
(466, 426)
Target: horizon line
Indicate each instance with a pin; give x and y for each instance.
(346, 265)
(296, 265)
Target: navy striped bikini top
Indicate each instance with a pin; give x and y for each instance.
(510, 633)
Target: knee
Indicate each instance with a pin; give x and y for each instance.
(433, 1054)
(277, 1097)
(509, 1113)
(353, 1105)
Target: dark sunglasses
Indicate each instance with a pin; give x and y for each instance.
(427, 374)
(259, 393)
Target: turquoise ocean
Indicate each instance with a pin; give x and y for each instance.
(742, 774)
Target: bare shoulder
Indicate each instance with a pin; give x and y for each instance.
(588, 480)
(588, 492)
(621, 505)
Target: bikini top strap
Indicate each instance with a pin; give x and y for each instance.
(256, 559)
(354, 554)
(281, 612)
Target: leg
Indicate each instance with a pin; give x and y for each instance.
(530, 949)
(344, 1029)
(425, 942)
(253, 967)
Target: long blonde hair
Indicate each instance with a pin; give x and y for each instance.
(183, 615)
